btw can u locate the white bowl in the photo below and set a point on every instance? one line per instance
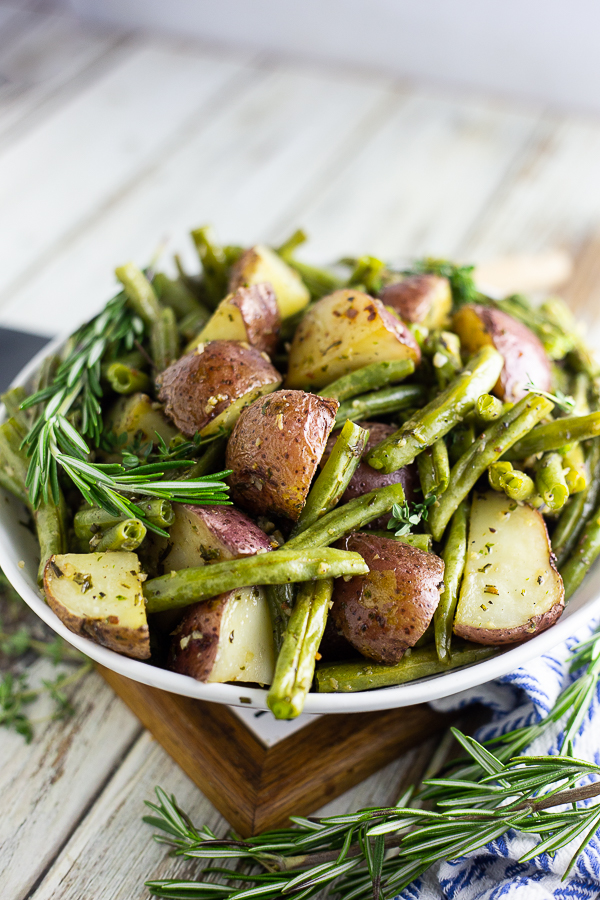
(19, 559)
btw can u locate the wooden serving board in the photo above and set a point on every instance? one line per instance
(256, 786)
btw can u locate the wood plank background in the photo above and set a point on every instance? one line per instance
(111, 143)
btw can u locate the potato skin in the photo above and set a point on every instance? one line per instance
(258, 321)
(385, 612)
(202, 625)
(525, 359)
(517, 635)
(424, 299)
(367, 479)
(274, 451)
(201, 385)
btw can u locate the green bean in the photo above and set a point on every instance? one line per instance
(460, 439)
(295, 240)
(454, 555)
(352, 516)
(574, 467)
(335, 475)
(367, 274)
(126, 380)
(277, 567)
(13, 487)
(422, 663)
(158, 512)
(214, 263)
(518, 485)
(49, 519)
(576, 567)
(318, 281)
(12, 403)
(139, 292)
(296, 661)
(380, 403)
(579, 392)
(324, 495)
(558, 314)
(550, 481)
(556, 434)
(443, 348)
(178, 296)
(576, 512)
(164, 340)
(441, 415)
(434, 468)
(488, 408)
(488, 447)
(192, 324)
(422, 542)
(209, 463)
(89, 521)
(369, 378)
(496, 472)
(125, 535)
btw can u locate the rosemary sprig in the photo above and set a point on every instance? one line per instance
(73, 412)
(482, 796)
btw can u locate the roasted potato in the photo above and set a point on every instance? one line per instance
(388, 610)
(250, 314)
(511, 589)
(525, 359)
(229, 638)
(206, 389)
(424, 299)
(260, 264)
(139, 418)
(99, 595)
(343, 332)
(367, 479)
(209, 534)
(274, 451)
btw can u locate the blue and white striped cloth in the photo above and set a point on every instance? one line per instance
(493, 872)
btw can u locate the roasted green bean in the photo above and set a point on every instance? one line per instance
(125, 535)
(576, 512)
(488, 447)
(488, 408)
(556, 434)
(550, 481)
(139, 292)
(296, 661)
(428, 425)
(364, 676)
(278, 567)
(454, 555)
(125, 379)
(164, 339)
(422, 542)
(379, 403)
(578, 564)
(434, 469)
(214, 263)
(369, 378)
(178, 296)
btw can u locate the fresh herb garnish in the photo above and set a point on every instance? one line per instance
(476, 799)
(72, 413)
(403, 518)
(561, 400)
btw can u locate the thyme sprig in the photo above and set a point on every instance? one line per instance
(477, 799)
(404, 518)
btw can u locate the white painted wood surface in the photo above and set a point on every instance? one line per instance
(108, 144)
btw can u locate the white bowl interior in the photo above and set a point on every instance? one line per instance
(19, 558)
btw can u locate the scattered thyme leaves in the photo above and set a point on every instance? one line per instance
(404, 518)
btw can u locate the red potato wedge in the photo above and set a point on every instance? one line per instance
(423, 299)
(386, 611)
(140, 418)
(367, 479)
(260, 264)
(250, 314)
(525, 360)
(228, 638)
(274, 451)
(511, 589)
(342, 333)
(99, 595)
(208, 388)
(210, 534)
